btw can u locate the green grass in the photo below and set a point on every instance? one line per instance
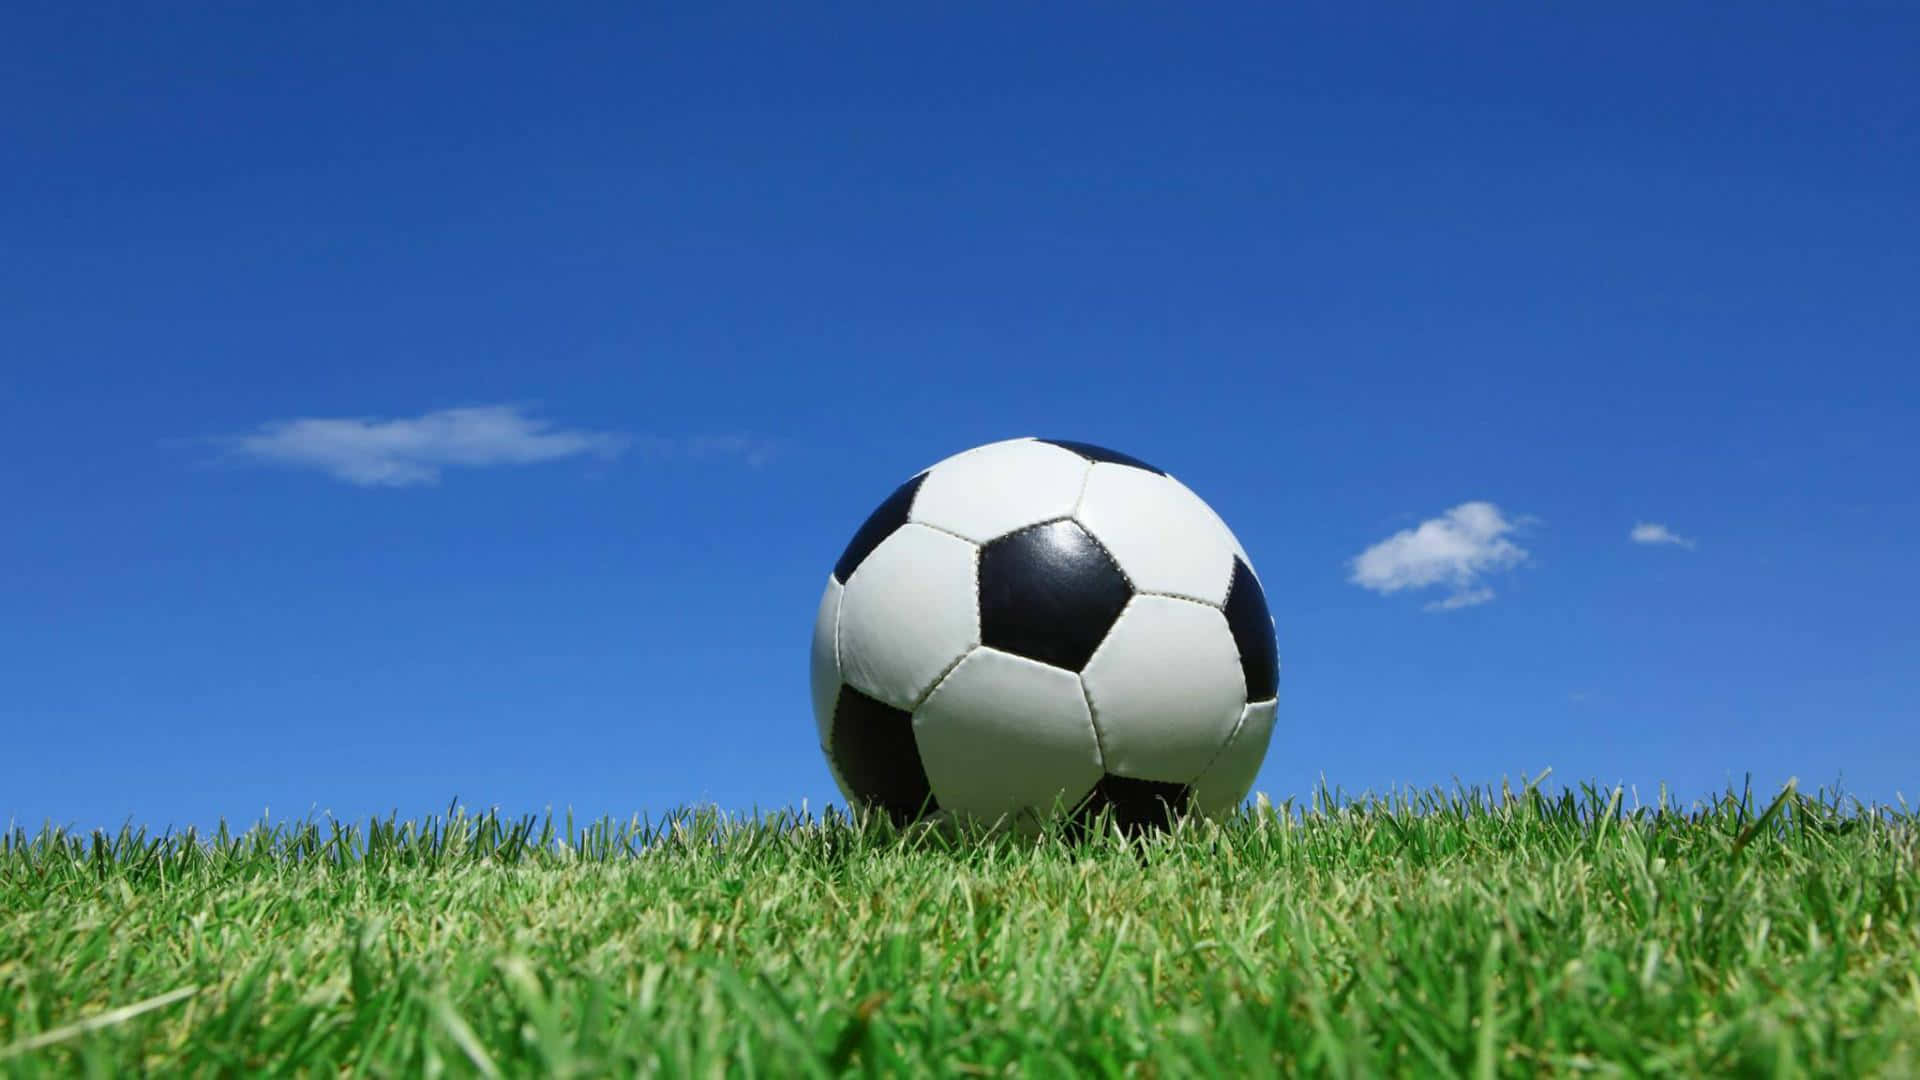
(1466, 933)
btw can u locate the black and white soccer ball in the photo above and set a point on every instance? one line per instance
(1040, 626)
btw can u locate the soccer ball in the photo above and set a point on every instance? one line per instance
(1039, 626)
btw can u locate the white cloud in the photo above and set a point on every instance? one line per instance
(1455, 549)
(1648, 532)
(410, 451)
(1470, 598)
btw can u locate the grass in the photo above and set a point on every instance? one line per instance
(1475, 932)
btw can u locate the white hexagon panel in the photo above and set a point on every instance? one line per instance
(1164, 537)
(999, 488)
(1003, 735)
(932, 575)
(825, 669)
(1230, 776)
(1166, 689)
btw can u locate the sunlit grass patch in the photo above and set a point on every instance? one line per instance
(1475, 931)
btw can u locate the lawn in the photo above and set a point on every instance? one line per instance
(1474, 932)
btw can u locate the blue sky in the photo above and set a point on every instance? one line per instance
(469, 401)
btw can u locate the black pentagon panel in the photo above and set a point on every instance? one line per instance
(1049, 593)
(1252, 628)
(874, 749)
(1101, 453)
(880, 524)
(1135, 805)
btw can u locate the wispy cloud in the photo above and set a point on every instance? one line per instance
(1456, 550)
(409, 451)
(1470, 598)
(1648, 532)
